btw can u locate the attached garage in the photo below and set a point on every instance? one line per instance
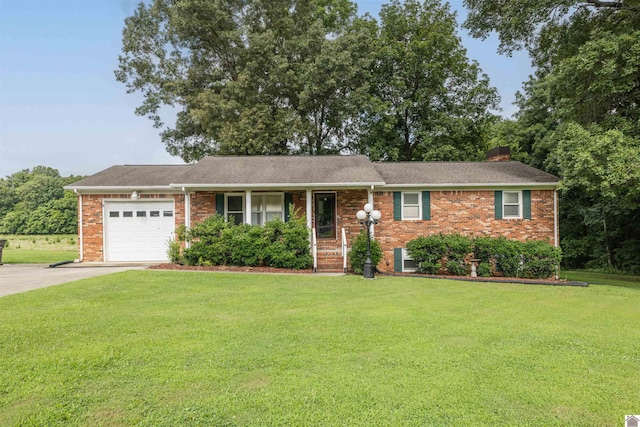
(138, 230)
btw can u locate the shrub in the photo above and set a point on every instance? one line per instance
(173, 252)
(484, 269)
(531, 259)
(276, 244)
(427, 252)
(358, 252)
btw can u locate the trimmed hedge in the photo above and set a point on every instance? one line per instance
(216, 241)
(497, 256)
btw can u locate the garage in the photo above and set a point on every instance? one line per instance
(138, 230)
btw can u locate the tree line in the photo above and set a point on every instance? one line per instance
(33, 201)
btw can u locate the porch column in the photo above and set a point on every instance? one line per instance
(247, 207)
(309, 222)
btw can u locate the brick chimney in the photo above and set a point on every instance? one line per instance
(499, 154)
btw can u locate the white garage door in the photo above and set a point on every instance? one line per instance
(138, 231)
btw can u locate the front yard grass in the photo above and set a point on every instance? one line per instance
(160, 348)
(42, 249)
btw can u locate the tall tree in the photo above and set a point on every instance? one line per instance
(580, 113)
(248, 77)
(429, 101)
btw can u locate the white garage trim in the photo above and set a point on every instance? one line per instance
(137, 230)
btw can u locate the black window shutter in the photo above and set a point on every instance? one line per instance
(498, 204)
(397, 259)
(220, 204)
(397, 206)
(288, 201)
(526, 204)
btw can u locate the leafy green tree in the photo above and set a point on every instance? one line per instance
(33, 201)
(262, 77)
(579, 114)
(428, 100)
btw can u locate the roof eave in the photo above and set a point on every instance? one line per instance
(536, 185)
(274, 186)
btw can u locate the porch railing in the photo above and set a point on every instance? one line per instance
(314, 249)
(344, 251)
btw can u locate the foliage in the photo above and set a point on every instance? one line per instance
(428, 100)
(280, 244)
(530, 259)
(358, 252)
(174, 252)
(248, 77)
(430, 252)
(34, 202)
(579, 114)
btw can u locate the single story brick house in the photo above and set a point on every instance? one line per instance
(130, 212)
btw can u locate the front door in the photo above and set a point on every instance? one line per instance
(325, 215)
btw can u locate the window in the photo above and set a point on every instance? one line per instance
(411, 206)
(127, 214)
(235, 208)
(141, 214)
(154, 214)
(408, 264)
(511, 204)
(265, 207)
(167, 213)
(114, 214)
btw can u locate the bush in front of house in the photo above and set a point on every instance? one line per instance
(358, 252)
(216, 241)
(430, 252)
(495, 256)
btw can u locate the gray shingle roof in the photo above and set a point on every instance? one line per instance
(292, 171)
(133, 176)
(266, 170)
(462, 173)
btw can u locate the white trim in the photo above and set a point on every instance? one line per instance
(309, 196)
(81, 233)
(372, 228)
(121, 189)
(226, 206)
(247, 207)
(264, 211)
(406, 257)
(520, 204)
(402, 205)
(276, 185)
(488, 186)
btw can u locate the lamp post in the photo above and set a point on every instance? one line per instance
(368, 217)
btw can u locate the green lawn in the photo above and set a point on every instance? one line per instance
(183, 348)
(45, 249)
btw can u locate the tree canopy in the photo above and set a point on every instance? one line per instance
(305, 77)
(579, 114)
(33, 201)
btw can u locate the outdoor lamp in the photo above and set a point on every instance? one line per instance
(135, 195)
(368, 217)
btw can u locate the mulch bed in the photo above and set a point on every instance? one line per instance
(238, 269)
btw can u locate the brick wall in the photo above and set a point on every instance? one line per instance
(466, 212)
(92, 222)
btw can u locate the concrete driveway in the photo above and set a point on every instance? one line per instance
(16, 278)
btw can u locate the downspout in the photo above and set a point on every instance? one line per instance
(81, 222)
(555, 219)
(187, 212)
(555, 227)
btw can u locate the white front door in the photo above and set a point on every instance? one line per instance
(138, 231)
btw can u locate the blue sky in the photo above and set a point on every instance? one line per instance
(60, 105)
